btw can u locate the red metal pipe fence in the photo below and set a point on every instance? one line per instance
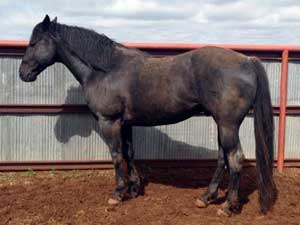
(282, 116)
(279, 52)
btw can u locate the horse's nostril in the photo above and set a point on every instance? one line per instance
(21, 71)
(21, 74)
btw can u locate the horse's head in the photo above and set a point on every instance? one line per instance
(41, 51)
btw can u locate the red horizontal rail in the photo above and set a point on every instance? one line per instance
(82, 108)
(43, 108)
(8, 43)
(237, 47)
(107, 164)
(181, 46)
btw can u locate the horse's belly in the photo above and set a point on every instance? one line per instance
(156, 118)
(159, 121)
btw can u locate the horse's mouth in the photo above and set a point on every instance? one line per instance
(28, 78)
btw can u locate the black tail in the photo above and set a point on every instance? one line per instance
(264, 137)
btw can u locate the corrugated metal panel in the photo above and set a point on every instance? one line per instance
(248, 140)
(194, 138)
(75, 137)
(273, 69)
(56, 85)
(293, 97)
(292, 137)
(292, 141)
(41, 137)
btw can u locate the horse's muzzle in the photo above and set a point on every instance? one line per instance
(26, 74)
(28, 77)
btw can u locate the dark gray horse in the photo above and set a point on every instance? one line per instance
(126, 87)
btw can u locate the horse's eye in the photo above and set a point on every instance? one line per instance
(31, 44)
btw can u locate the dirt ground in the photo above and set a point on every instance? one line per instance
(80, 197)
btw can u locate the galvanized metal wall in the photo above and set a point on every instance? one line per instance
(293, 97)
(292, 142)
(47, 89)
(75, 137)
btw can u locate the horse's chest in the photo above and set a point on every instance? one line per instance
(105, 102)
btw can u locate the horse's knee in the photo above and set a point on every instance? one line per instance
(119, 161)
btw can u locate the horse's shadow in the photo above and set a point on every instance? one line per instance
(186, 178)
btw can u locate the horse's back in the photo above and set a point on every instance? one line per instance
(170, 89)
(220, 56)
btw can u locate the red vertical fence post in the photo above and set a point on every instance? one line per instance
(282, 116)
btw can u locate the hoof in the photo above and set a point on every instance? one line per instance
(200, 204)
(113, 201)
(224, 212)
(134, 190)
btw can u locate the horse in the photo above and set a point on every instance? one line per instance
(126, 87)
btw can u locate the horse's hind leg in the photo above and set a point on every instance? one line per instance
(229, 140)
(212, 192)
(134, 179)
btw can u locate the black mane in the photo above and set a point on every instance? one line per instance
(96, 49)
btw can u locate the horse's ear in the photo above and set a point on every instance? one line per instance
(46, 22)
(54, 20)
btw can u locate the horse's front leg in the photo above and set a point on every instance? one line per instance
(134, 178)
(111, 132)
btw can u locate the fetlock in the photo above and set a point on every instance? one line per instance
(134, 189)
(209, 197)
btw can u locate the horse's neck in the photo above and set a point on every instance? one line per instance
(78, 68)
(82, 70)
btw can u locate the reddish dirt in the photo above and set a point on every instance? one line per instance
(80, 197)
